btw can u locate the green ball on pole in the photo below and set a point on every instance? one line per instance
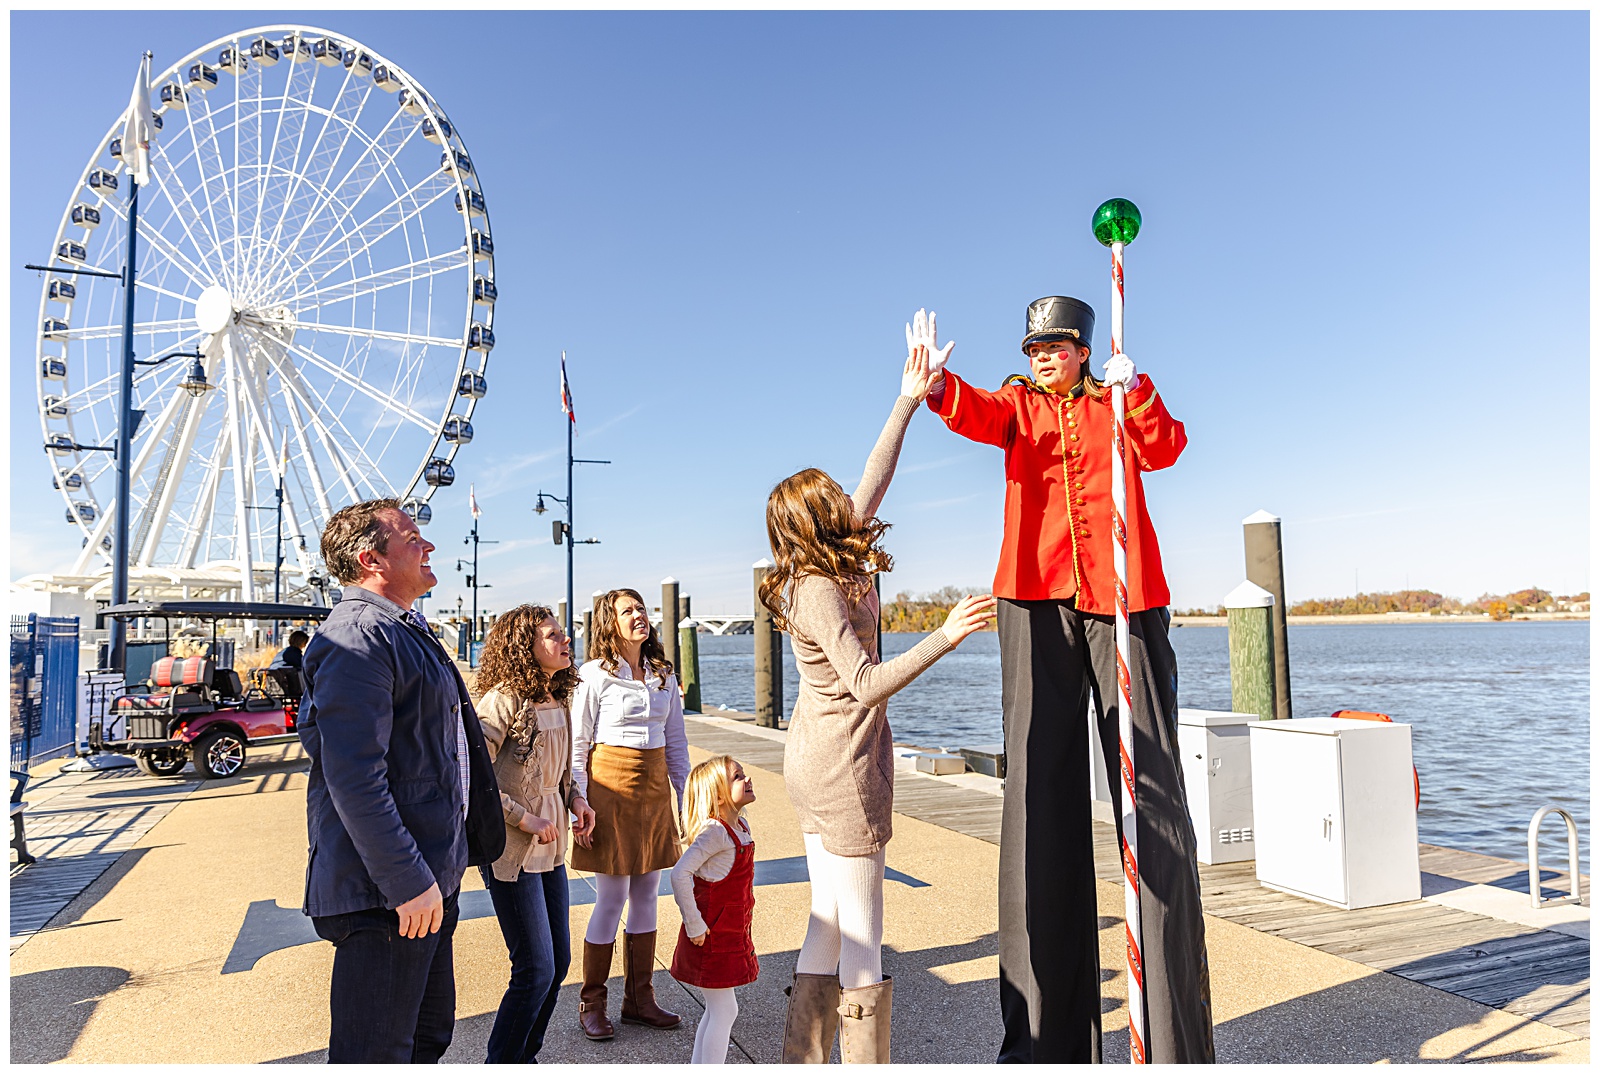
(1117, 220)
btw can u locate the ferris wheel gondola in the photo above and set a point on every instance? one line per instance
(303, 235)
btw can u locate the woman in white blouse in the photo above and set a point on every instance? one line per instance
(630, 759)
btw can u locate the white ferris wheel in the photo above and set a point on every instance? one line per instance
(314, 246)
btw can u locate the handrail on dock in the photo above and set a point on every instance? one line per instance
(1534, 887)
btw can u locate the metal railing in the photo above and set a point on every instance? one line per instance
(44, 688)
(1535, 887)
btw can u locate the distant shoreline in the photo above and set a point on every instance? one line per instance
(1395, 617)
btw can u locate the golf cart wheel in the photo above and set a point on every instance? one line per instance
(160, 763)
(219, 754)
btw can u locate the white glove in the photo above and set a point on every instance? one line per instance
(924, 331)
(1120, 370)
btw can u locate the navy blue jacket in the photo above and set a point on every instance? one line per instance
(383, 804)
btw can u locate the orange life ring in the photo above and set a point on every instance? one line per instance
(1378, 717)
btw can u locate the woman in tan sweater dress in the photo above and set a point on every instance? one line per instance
(838, 761)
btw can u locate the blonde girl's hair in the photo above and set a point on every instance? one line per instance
(813, 529)
(707, 791)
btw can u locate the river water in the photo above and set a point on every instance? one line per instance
(1499, 711)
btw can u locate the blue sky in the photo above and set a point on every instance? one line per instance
(1363, 281)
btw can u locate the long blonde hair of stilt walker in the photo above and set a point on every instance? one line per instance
(708, 792)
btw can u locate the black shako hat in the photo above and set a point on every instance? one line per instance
(1057, 317)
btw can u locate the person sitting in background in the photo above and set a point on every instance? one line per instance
(293, 655)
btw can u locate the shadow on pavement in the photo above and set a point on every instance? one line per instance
(49, 1009)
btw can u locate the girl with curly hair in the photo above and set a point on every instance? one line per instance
(527, 680)
(838, 765)
(630, 756)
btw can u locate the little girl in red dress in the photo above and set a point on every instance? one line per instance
(714, 885)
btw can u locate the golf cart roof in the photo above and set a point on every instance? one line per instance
(215, 609)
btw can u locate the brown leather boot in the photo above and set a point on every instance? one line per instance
(864, 1022)
(638, 988)
(812, 1018)
(592, 996)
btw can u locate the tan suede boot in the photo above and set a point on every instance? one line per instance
(812, 1018)
(864, 1022)
(638, 987)
(592, 996)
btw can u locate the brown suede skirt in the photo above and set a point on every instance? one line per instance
(635, 830)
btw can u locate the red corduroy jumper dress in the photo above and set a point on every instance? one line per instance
(728, 957)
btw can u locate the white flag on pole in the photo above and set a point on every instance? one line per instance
(136, 129)
(472, 498)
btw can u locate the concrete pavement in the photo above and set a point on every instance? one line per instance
(133, 969)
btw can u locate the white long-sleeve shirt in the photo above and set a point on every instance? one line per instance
(615, 709)
(710, 857)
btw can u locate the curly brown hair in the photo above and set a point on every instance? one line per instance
(351, 531)
(608, 636)
(813, 529)
(509, 665)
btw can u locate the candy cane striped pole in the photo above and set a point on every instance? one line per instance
(1118, 221)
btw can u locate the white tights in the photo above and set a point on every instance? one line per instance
(716, 1026)
(612, 893)
(845, 932)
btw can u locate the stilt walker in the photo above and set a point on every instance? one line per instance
(1082, 616)
(1116, 223)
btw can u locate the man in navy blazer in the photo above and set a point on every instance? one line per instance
(401, 797)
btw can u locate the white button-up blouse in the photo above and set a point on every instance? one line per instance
(615, 709)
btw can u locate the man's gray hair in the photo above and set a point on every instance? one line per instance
(351, 531)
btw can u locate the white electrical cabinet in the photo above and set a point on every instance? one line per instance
(1335, 816)
(1215, 747)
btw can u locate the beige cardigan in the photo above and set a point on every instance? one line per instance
(838, 758)
(495, 713)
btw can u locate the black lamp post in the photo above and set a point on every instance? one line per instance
(560, 529)
(472, 581)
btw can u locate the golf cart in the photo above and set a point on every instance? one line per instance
(192, 709)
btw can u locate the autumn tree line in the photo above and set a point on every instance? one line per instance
(1427, 602)
(926, 612)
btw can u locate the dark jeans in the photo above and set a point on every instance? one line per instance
(393, 999)
(533, 917)
(1052, 657)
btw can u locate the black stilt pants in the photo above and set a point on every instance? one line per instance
(1052, 656)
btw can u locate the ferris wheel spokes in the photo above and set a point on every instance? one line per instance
(361, 286)
(374, 229)
(346, 467)
(360, 385)
(213, 180)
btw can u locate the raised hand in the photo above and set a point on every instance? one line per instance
(915, 381)
(924, 330)
(968, 617)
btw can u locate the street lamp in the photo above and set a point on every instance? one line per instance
(472, 581)
(561, 529)
(195, 383)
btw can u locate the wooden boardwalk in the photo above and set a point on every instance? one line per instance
(79, 827)
(1535, 973)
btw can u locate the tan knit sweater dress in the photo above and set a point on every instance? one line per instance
(838, 761)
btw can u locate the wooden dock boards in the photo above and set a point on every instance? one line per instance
(1533, 973)
(79, 832)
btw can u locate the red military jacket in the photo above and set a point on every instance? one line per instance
(1058, 537)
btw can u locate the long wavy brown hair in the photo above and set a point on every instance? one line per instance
(608, 637)
(813, 529)
(509, 665)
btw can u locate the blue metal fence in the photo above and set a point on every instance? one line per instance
(44, 688)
